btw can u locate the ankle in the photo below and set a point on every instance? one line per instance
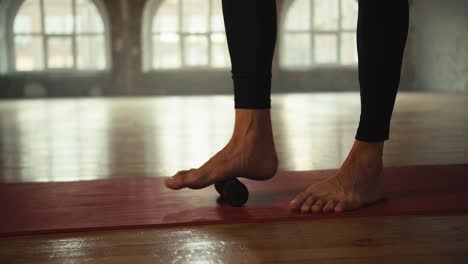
(253, 123)
(259, 117)
(368, 154)
(371, 148)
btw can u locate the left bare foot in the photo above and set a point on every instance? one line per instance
(356, 184)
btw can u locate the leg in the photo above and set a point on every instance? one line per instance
(250, 153)
(381, 38)
(251, 34)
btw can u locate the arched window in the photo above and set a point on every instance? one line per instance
(59, 35)
(319, 32)
(184, 34)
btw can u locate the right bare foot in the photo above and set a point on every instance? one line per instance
(249, 154)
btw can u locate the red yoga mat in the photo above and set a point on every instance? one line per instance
(38, 208)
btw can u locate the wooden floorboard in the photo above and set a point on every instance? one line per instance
(80, 139)
(404, 239)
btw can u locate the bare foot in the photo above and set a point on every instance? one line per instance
(249, 154)
(357, 183)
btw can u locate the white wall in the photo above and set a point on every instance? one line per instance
(3, 42)
(438, 45)
(436, 58)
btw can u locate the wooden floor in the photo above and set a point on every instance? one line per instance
(70, 139)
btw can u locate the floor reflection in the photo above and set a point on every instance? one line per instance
(185, 132)
(83, 139)
(310, 130)
(57, 140)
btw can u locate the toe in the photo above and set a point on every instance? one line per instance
(305, 208)
(177, 181)
(340, 207)
(297, 202)
(329, 206)
(197, 179)
(318, 206)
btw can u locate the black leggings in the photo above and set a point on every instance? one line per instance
(382, 29)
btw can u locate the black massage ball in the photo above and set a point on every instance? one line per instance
(219, 187)
(233, 192)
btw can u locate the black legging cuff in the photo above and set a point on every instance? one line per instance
(373, 129)
(252, 92)
(251, 36)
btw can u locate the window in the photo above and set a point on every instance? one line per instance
(58, 35)
(319, 32)
(185, 34)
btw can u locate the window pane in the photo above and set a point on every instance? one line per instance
(296, 50)
(88, 18)
(29, 53)
(325, 49)
(58, 16)
(348, 49)
(167, 17)
(195, 15)
(60, 52)
(219, 51)
(28, 18)
(298, 16)
(90, 52)
(196, 50)
(217, 19)
(166, 51)
(349, 13)
(326, 14)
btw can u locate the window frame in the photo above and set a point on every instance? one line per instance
(149, 13)
(12, 10)
(312, 33)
